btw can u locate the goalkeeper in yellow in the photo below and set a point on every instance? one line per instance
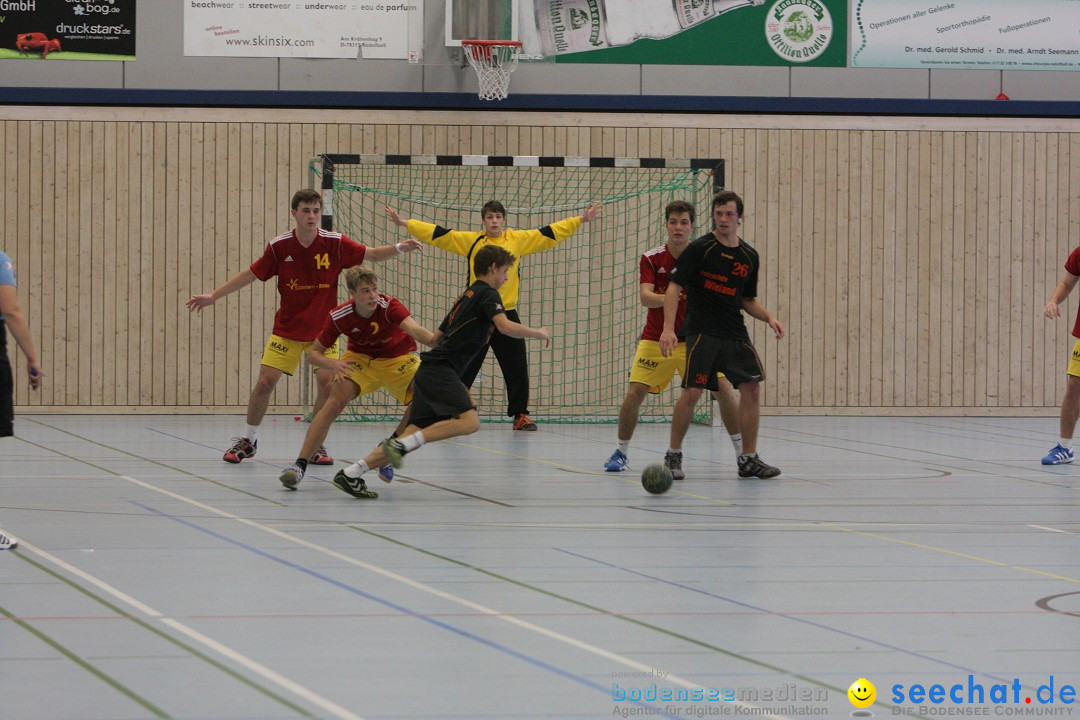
(509, 351)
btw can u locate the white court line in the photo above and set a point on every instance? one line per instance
(552, 634)
(1050, 529)
(256, 667)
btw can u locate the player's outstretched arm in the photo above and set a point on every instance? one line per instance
(20, 330)
(1068, 282)
(394, 217)
(512, 329)
(240, 280)
(591, 213)
(385, 252)
(418, 332)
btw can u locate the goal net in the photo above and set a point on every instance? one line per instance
(585, 290)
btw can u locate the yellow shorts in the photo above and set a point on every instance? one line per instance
(395, 375)
(653, 369)
(1074, 360)
(284, 355)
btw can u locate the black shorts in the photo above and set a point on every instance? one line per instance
(707, 355)
(438, 394)
(7, 392)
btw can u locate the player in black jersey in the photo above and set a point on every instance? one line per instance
(441, 406)
(720, 274)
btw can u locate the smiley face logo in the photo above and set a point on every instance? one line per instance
(862, 693)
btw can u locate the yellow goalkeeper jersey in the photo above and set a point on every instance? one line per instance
(518, 242)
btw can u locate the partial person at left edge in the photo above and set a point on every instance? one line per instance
(11, 317)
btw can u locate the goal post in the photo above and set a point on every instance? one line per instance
(585, 290)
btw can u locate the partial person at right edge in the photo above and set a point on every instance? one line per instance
(720, 274)
(1062, 453)
(12, 317)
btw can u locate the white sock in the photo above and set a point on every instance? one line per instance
(357, 469)
(411, 442)
(1066, 443)
(673, 450)
(624, 447)
(736, 441)
(252, 432)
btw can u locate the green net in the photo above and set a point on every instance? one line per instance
(585, 290)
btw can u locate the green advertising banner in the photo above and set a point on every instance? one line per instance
(967, 34)
(687, 32)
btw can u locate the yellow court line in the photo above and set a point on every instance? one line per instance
(583, 470)
(966, 556)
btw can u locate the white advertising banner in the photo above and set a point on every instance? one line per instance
(967, 34)
(308, 29)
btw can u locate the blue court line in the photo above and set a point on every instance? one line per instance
(820, 626)
(402, 609)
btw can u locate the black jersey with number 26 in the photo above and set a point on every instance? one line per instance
(717, 278)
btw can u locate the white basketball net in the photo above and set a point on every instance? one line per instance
(493, 65)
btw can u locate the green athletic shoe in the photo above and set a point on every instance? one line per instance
(395, 451)
(354, 486)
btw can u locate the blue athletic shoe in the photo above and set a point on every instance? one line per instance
(1059, 455)
(617, 462)
(386, 473)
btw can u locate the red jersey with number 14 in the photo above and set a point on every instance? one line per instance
(379, 336)
(307, 279)
(656, 267)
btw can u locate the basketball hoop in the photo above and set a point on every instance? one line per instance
(493, 61)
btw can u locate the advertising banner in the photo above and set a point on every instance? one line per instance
(67, 29)
(967, 34)
(311, 29)
(687, 32)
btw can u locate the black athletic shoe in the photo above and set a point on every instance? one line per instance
(354, 486)
(673, 462)
(753, 466)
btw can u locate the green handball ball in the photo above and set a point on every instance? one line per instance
(656, 479)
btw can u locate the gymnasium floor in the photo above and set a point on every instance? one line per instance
(507, 576)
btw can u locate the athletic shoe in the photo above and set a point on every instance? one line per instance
(523, 422)
(242, 448)
(354, 486)
(291, 476)
(395, 451)
(321, 457)
(673, 462)
(617, 462)
(7, 542)
(753, 466)
(386, 473)
(1059, 455)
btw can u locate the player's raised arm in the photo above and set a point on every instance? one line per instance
(591, 213)
(394, 217)
(240, 280)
